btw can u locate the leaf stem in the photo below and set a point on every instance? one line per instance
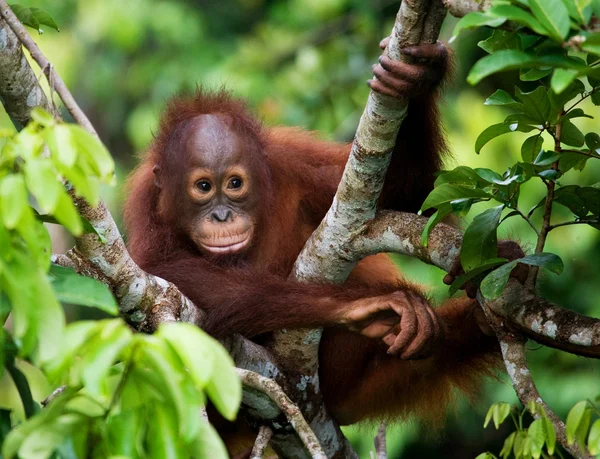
(583, 97)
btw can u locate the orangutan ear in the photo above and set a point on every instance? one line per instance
(156, 171)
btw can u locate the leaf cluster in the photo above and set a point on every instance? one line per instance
(539, 438)
(553, 44)
(131, 395)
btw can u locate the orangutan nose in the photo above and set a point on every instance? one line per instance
(221, 215)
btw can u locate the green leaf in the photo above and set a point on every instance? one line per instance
(499, 62)
(531, 148)
(571, 135)
(72, 288)
(480, 241)
(546, 260)
(546, 157)
(553, 16)
(448, 192)
(508, 445)
(493, 284)
(574, 113)
(102, 353)
(194, 347)
(501, 97)
(536, 434)
(224, 388)
(464, 278)
(443, 211)
(594, 438)
(208, 444)
(43, 183)
(44, 18)
(501, 412)
(93, 151)
(158, 357)
(550, 435)
(488, 175)
(123, 430)
(13, 199)
(61, 144)
(535, 103)
(518, 15)
(500, 39)
(461, 175)
(562, 78)
(34, 17)
(488, 416)
(66, 214)
(497, 130)
(534, 74)
(163, 438)
(583, 10)
(592, 44)
(474, 20)
(558, 101)
(41, 116)
(592, 141)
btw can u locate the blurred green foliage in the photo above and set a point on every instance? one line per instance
(305, 62)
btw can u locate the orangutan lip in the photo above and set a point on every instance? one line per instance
(230, 248)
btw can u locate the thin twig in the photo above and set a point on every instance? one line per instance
(289, 409)
(585, 96)
(53, 395)
(54, 78)
(575, 222)
(261, 442)
(528, 220)
(583, 153)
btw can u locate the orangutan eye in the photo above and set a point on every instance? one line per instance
(235, 183)
(204, 186)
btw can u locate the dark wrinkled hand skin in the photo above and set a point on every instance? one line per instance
(402, 80)
(506, 249)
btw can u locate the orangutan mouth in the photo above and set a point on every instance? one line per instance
(227, 245)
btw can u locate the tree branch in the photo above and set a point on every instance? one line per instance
(57, 83)
(261, 443)
(19, 87)
(291, 411)
(460, 8)
(515, 360)
(145, 300)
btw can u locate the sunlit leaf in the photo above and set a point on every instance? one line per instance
(500, 413)
(518, 15)
(594, 438)
(536, 435)
(448, 192)
(553, 16)
(72, 288)
(224, 388)
(562, 78)
(499, 62)
(194, 347)
(476, 19)
(13, 199)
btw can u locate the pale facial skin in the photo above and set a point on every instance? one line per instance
(221, 195)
